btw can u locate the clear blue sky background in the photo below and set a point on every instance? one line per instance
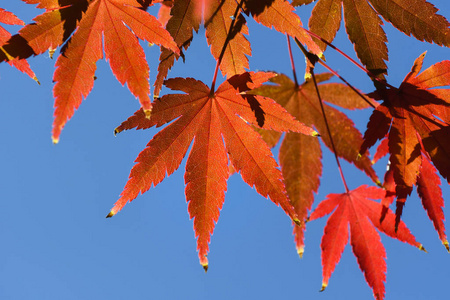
(57, 244)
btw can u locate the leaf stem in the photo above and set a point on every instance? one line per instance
(292, 60)
(329, 131)
(310, 57)
(225, 44)
(371, 75)
(368, 100)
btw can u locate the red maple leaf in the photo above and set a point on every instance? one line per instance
(415, 118)
(211, 119)
(356, 210)
(428, 188)
(300, 156)
(82, 25)
(22, 65)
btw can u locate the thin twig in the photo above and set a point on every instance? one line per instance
(292, 60)
(329, 131)
(307, 55)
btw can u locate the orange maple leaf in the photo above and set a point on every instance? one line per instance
(22, 65)
(211, 119)
(82, 25)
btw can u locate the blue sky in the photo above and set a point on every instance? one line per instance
(57, 244)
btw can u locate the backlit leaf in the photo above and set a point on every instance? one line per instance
(415, 119)
(22, 65)
(357, 210)
(82, 25)
(300, 156)
(219, 124)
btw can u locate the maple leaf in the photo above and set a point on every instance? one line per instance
(280, 15)
(418, 18)
(210, 119)
(218, 18)
(22, 65)
(218, 24)
(428, 189)
(82, 25)
(9, 18)
(300, 156)
(183, 20)
(356, 210)
(415, 118)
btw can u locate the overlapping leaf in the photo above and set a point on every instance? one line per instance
(184, 19)
(428, 188)
(22, 65)
(218, 18)
(218, 24)
(280, 15)
(418, 18)
(415, 118)
(357, 210)
(210, 119)
(83, 25)
(300, 156)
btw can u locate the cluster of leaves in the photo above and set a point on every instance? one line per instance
(232, 127)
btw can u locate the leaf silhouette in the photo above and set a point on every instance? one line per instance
(81, 25)
(363, 24)
(414, 117)
(300, 156)
(357, 210)
(210, 119)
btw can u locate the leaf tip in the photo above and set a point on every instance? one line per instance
(445, 243)
(55, 140)
(308, 76)
(315, 134)
(324, 286)
(422, 248)
(111, 213)
(116, 131)
(300, 251)
(51, 51)
(205, 267)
